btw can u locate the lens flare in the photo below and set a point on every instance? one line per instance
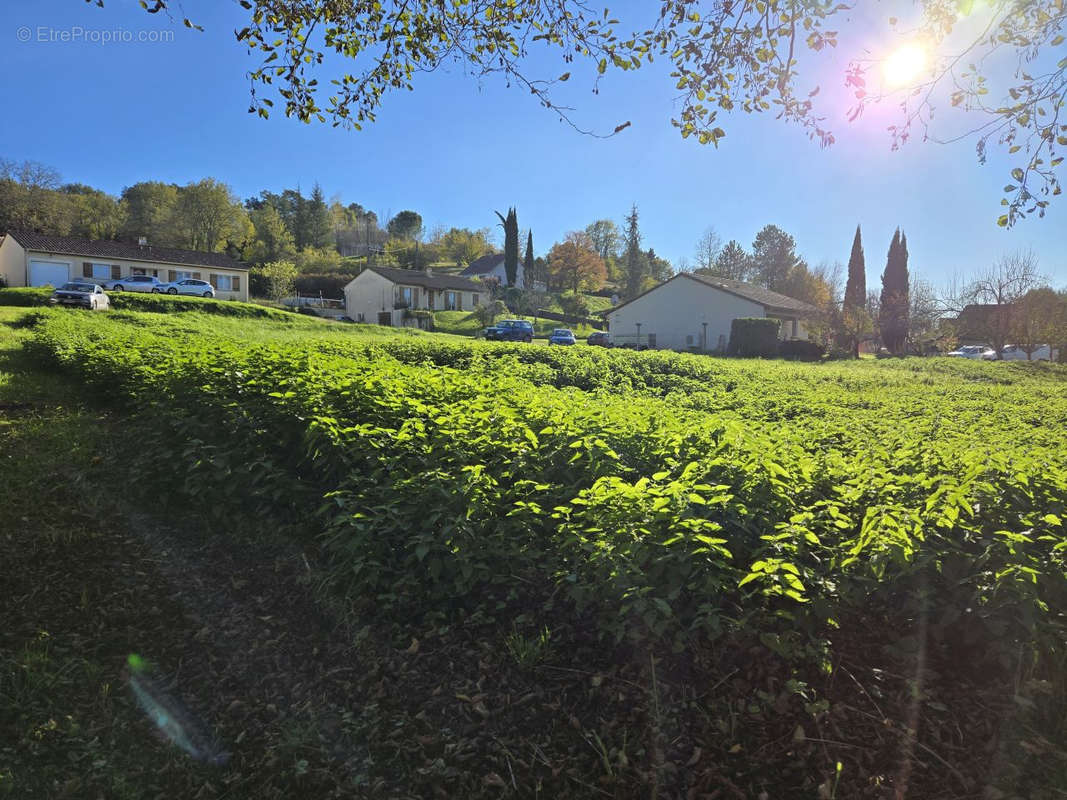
(905, 65)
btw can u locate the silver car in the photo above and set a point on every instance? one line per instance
(975, 351)
(134, 283)
(193, 286)
(86, 295)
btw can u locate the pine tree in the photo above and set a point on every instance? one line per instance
(635, 259)
(319, 232)
(528, 262)
(894, 300)
(510, 223)
(854, 307)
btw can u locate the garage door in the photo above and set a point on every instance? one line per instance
(44, 273)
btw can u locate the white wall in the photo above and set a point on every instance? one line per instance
(12, 262)
(674, 312)
(367, 294)
(126, 267)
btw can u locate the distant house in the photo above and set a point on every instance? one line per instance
(383, 295)
(984, 323)
(694, 312)
(35, 259)
(492, 267)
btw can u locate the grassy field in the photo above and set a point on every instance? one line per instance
(384, 563)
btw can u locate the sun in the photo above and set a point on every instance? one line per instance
(905, 65)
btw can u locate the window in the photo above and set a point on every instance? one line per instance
(451, 301)
(183, 276)
(474, 300)
(224, 283)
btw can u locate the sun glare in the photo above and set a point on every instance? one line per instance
(905, 65)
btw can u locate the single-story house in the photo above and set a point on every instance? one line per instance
(492, 267)
(694, 312)
(384, 295)
(36, 259)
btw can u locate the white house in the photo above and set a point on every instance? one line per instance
(492, 266)
(384, 295)
(34, 259)
(694, 312)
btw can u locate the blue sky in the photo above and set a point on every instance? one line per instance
(455, 149)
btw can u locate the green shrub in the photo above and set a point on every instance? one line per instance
(754, 337)
(503, 476)
(31, 296)
(801, 350)
(169, 304)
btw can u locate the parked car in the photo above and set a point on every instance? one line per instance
(561, 336)
(188, 286)
(86, 295)
(975, 351)
(134, 283)
(511, 330)
(599, 339)
(1015, 352)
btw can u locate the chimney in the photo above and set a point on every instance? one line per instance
(142, 241)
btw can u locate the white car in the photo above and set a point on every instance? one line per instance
(134, 283)
(1014, 352)
(975, 351)
(189, 286)
(86, 295)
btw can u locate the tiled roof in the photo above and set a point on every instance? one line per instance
(771, 301)
(483, 265)
(412, 277)
(757, 294)
(101, 248)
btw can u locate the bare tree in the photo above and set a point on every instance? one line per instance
(708, 247)
(992, 297)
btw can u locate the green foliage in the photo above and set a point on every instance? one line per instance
(659, 496)
(510, 224)
(754, 337)
(407, 225)
(273, 280)
(25, 296)
(894, 305)
(801, 350)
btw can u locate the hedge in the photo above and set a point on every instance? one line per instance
(801, 350)
(754, 337)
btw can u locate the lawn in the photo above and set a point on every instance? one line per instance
(400, 564)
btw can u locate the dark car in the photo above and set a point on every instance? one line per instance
(510, 330)
(599, 339)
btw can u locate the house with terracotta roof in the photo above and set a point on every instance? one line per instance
(35, 259)
(695, 312)
(385, 295)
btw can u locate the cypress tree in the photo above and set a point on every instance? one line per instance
(528, 262)
(510, 224)
(855, 302)
(635, 259)
(893, 311)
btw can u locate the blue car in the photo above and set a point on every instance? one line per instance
(561, 336)
(511, 330)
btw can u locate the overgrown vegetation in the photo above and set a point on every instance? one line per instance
(768, 518)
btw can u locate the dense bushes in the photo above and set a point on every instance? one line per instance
(330, 286)
(754, 337)
(166, 304)
(801, 350)
(34, 296)
(519, 475)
